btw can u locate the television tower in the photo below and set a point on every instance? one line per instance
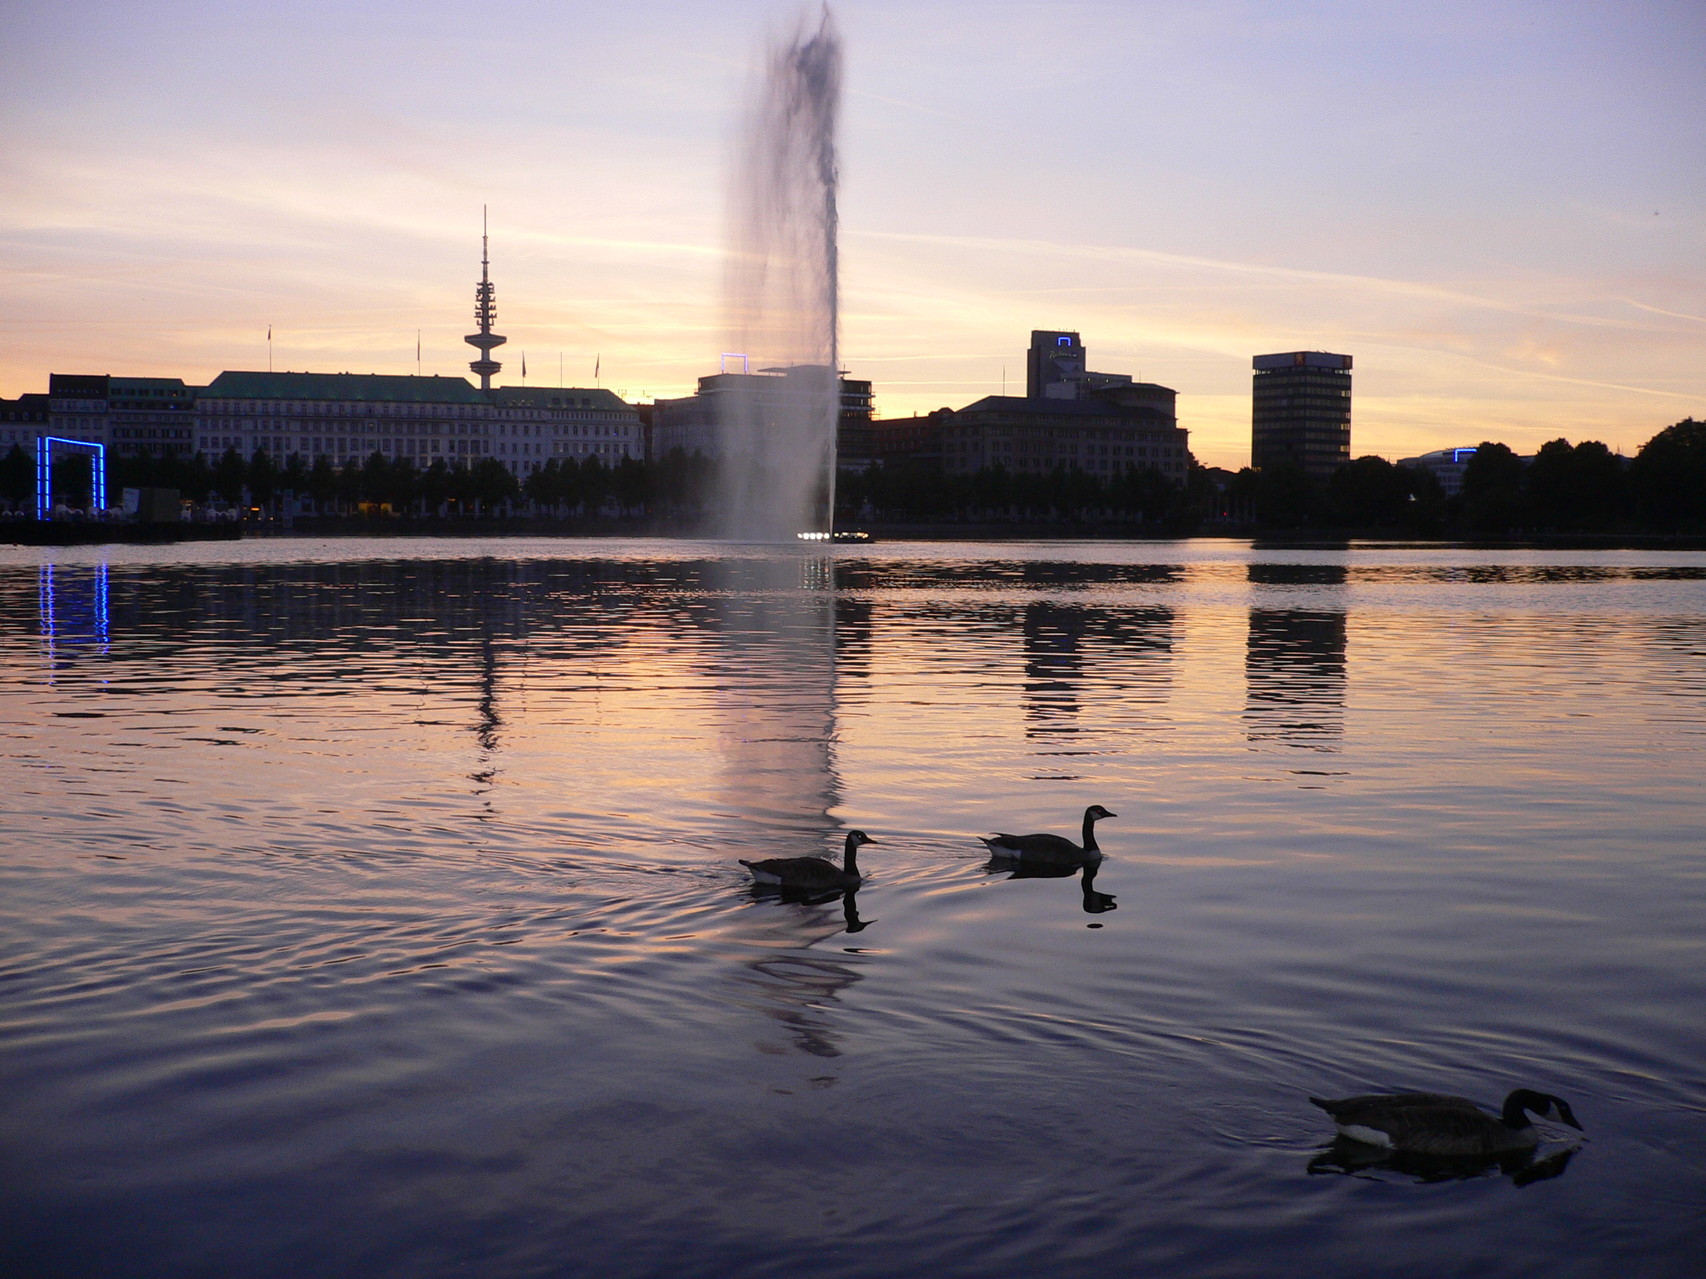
(485, 311)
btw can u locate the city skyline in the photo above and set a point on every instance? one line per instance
(1497, 214)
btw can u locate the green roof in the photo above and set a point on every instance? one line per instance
(550, 397)
(1021, 407)
(344, 386)
(121, 384)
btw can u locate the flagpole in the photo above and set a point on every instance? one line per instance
(269, 348)
(417, 352)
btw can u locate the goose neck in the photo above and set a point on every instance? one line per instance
(1515, 1113)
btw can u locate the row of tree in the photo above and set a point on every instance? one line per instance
(478, 487)
(679, 488)
(1564, 488)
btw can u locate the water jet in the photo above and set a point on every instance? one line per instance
(781, 288)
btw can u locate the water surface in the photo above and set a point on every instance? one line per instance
(372, 908)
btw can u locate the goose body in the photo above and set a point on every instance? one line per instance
(813, 873)
(1055, 848)
(1426, 1123)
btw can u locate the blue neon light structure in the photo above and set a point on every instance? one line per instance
(44, 473)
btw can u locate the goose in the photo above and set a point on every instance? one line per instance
(1055, 848)
(1426, 1123)
(812, 872)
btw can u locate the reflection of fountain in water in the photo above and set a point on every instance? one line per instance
(774, 704)
(774, 708)
(799, 985)
(778, 464)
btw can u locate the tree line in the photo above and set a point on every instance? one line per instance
(1564, 488)
(481, 487)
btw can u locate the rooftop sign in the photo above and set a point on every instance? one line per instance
(1301, 359)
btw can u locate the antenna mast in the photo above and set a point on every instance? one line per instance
(485, 315)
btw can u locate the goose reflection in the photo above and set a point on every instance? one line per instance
(1095, 903)
(799, 986)
(848, 897)
(1359, 1159)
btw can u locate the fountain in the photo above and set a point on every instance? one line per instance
(778, 424)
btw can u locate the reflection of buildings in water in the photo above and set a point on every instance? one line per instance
(1294, 673)
(853, 637)
(1054, 668)
(1294, 664)
(1676, 648)
(488, 723)
(73, 610)
(1071, 650)
(798, 985)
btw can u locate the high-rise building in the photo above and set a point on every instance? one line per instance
(1300, 411)
(1054, 366)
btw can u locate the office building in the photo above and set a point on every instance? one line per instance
(23, 421)
(1069, 417)
(347, 417)
(1301, 411)
(344, 417)
(775, 399)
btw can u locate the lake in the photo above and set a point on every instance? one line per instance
(372, 907)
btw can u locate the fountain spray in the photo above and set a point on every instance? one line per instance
(782, 282)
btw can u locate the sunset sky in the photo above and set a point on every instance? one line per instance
(1498, 208)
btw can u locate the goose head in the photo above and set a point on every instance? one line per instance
(1096, 813)
(1541, 1104)
(857, 839)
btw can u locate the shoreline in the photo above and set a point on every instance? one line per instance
(73, 533)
